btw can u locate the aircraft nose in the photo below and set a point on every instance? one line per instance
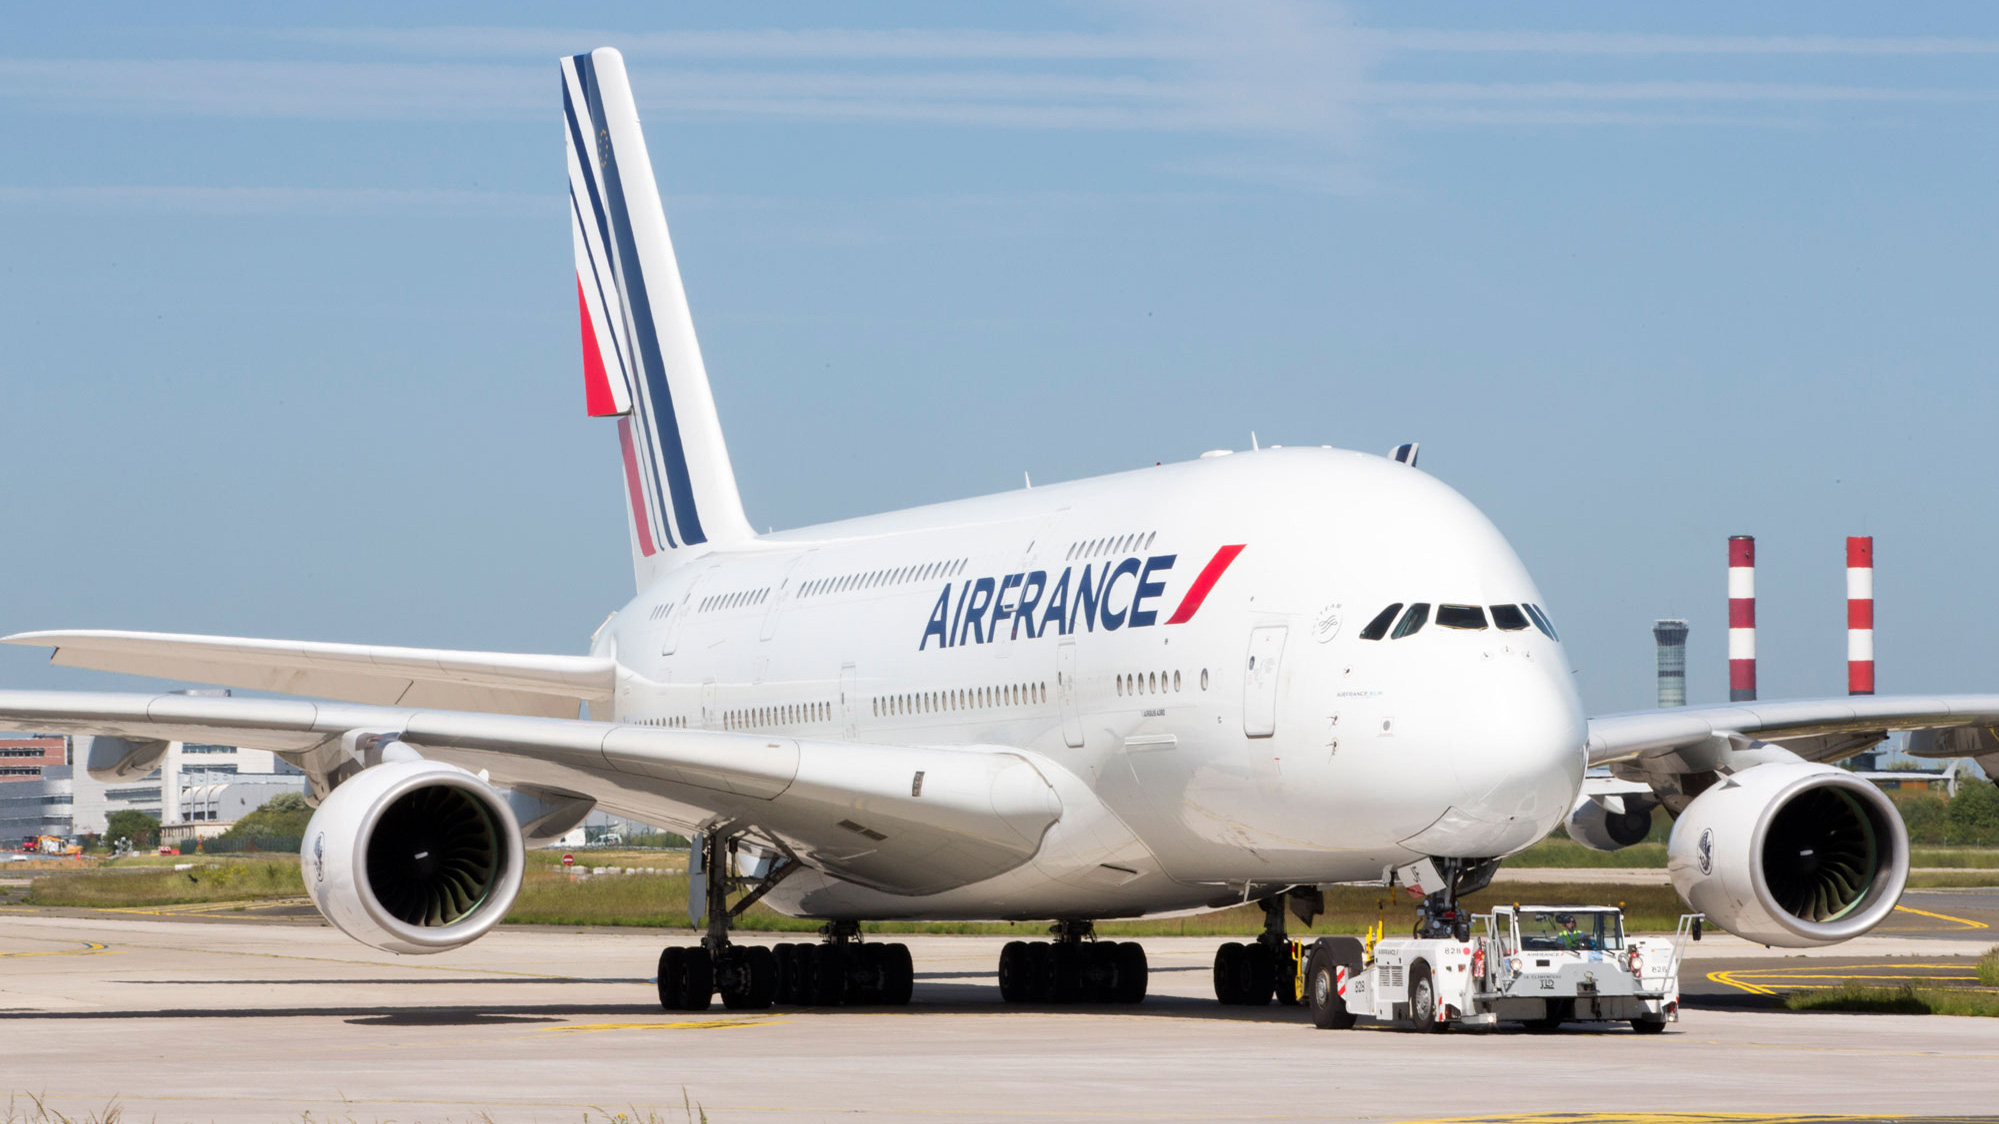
(1519, 749)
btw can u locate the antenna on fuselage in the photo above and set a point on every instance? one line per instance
(1253, 446)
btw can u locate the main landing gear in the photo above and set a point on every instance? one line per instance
(1075, 967)
(752, 977)
(1250, 975)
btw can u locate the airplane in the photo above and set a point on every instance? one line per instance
(1238, 678)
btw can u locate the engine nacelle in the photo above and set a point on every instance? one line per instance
(1791, 854)
(413, 856)
(1595, 826)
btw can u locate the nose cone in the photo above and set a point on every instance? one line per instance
(1517, 749)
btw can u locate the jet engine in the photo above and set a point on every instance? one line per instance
(1592, 823)
(1790, 854)
(413, 856)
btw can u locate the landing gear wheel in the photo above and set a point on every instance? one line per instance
(829, 975)
(1230, 968)
(672, 977)
(866, 985)
(686, 979)
(1423, 1000)
(751, 975)
(1648, 1026)
(1261, 976)
(1132, 973)
(1101, 973)
(1323, 967)
(1065, 973)
(1013, 979)
(789, 987)
(1040, 978)
(898, 975)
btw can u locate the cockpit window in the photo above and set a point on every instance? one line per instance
(1460, 616)
(1508, 618)
(1412, 621)
(1378, 627)
(1542, 622)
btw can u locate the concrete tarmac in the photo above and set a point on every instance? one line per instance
(221, 1019)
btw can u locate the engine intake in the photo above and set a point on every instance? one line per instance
(1595, 826)
(1791, 854)
(413, 856)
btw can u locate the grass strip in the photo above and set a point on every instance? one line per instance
(1905, 1000)
(148, 886)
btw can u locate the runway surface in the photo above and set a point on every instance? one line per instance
(227, 1018)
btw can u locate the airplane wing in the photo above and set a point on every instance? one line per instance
(502, 682)
(1814, 729)
(904, 819)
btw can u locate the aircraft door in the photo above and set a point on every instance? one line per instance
(1065, 693)
(1259, 680)
(847, 701)
(783, 596)
(679, 613)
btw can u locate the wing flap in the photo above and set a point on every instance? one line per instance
(502, 682)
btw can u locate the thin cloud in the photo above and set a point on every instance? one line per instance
(282, 200)
(1614, 43)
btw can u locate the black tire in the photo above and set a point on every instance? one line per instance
(787, 959)
(829, 975)
(1423, 1002)
(1229, 972)
(865, 987)
(1259, 976)
(1065, 973)
(1323, 965)
(672, 977)
(761, 964)
(1013, 983)
(699, 986)
(1284, 983)
(732, 979)
(1649, 1026)
(1036, 973)
(898, 975)
(1101, 974)
(1132, 973)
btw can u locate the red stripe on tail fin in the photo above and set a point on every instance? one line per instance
(633, 488)
(597, 396)
(1210, 574)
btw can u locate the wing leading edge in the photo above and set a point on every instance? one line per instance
(1814, 729)
(903, 819)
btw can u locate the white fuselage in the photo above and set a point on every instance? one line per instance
(1253, 740)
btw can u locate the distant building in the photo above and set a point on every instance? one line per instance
(208, 785)
(1670, 636)
(24, 758)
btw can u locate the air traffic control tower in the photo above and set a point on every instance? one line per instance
(1671, 635)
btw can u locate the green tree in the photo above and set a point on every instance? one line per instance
(142, 829)
(1973, 817)
(284, 815)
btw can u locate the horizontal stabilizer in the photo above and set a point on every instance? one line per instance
(502, 682)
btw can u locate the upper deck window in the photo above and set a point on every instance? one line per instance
(1412, 621)
(1378, 627)
(1508, 618)
(1460, 616)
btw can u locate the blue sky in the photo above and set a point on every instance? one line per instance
(292, 351)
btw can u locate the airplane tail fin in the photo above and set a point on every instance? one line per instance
(641, 363)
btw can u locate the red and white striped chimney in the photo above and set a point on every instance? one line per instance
(1860, 615)
(1741, 618)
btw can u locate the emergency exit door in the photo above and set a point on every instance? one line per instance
(1065, 693)
(1259, 680)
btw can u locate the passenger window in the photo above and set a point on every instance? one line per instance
(1508, 618)
(1412, 621)
(1460, 616)
(1542, 622)
(1378, 627)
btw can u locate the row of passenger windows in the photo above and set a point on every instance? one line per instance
(962, 698)
(669, 723)
(874, 579)
(788, 713)
(1409, 621)
(1154, 683)
(735, 600)
(1115, 544)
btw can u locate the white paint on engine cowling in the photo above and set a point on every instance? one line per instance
(1715, 855)
(334, 860)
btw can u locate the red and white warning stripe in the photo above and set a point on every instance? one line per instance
(1741, 618)
(1860, 615)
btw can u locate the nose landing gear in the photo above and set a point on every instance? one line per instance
(1250, 975)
